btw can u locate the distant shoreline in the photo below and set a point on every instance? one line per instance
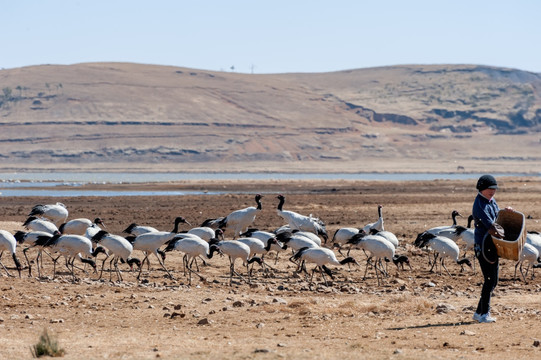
(73, 178)
(209, 187)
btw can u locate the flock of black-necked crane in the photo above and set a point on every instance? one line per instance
(49, 232)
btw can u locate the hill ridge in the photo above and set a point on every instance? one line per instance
(124, 115)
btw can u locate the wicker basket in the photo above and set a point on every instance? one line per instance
(515, 234)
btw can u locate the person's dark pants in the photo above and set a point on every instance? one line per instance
(490, 273)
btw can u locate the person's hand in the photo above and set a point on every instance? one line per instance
(509, 208)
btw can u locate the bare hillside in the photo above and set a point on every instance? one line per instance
(106, 116)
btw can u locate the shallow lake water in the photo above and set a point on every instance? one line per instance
(43, 184)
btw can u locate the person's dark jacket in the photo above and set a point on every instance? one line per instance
(484, 214)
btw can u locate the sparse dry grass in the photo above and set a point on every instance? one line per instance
(47, 346)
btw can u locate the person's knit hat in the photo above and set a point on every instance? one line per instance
(486, 182)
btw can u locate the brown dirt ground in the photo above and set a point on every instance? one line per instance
(279, 316)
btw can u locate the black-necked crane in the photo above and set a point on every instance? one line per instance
(8, 243)
(79, 226)
(308, 235)
(266, 236)
(528, 254)
(136, 230)
(159, 236)
(398, 260)
(445, 231)
(239, 220)
(300, 222)
(237, 250)
(91, 231)
(192, 246)
(118, 249)
(179, 220)
(378, 225)
(72, 247)
(534, 238)
(378, 248)
(36, 224)
(213, 223)
(258, 246)
(342, 237)
(443, 247)
(259, 234)
(150, 243)
(436, 230)
(56, 213)
(206, 233)
(30, 238)
(466, 234)
(295, 242)
(321, 257)
(389, 236)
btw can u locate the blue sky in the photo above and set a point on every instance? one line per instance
(272, 36)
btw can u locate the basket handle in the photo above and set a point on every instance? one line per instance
(488, 249)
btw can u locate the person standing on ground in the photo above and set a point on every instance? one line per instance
(485, 211)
